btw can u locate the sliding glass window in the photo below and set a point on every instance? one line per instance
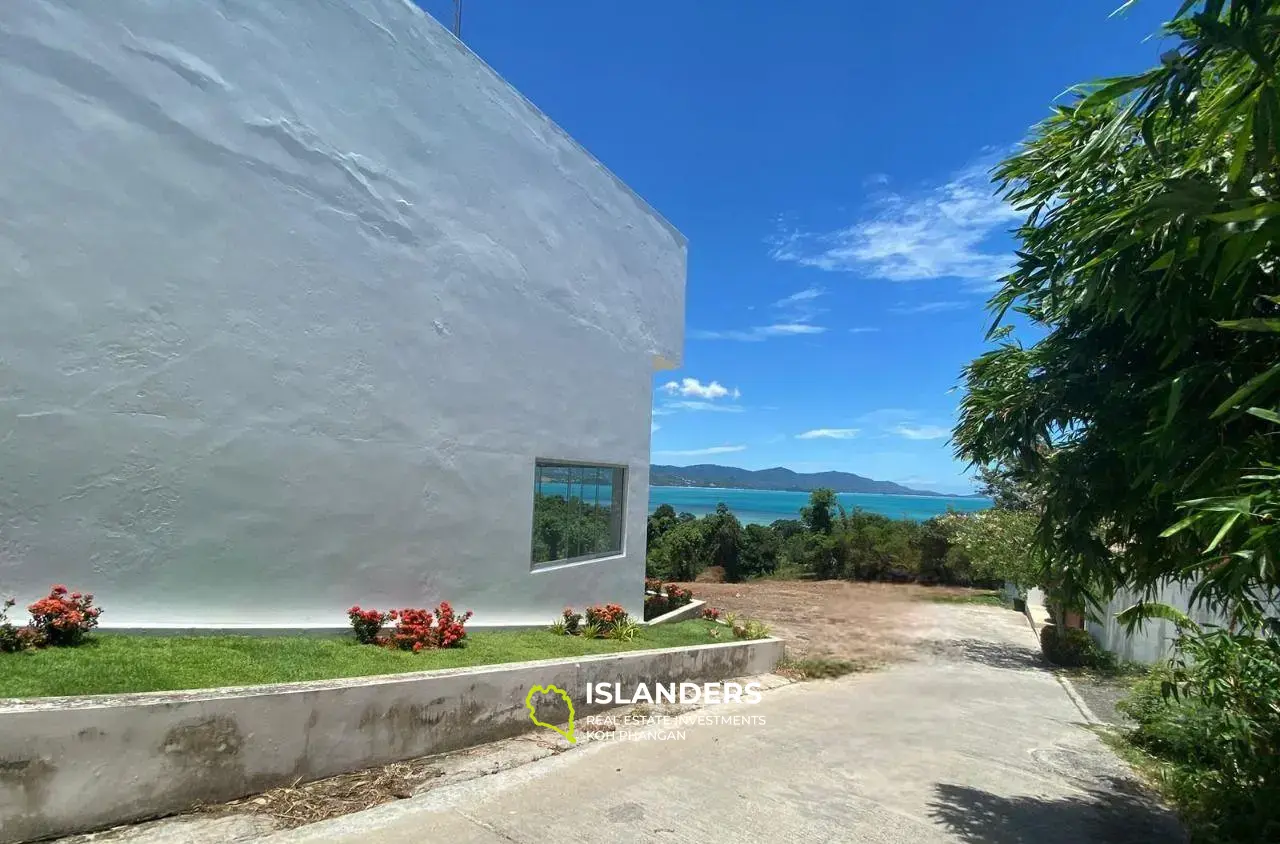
(578, 511)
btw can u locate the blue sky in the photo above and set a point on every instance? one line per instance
(827, 160)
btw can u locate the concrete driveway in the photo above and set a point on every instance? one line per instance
(973, 741)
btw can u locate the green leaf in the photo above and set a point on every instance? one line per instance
(1223, 531)
(1259, 211)
(1240, 156)
(1251, 324)
(1175, 394)
(1270, 416)
(1117, 87)
(1180, 526)
(1252, 386)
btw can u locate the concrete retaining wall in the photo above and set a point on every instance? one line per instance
(70, 765)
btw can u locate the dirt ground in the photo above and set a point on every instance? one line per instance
(866, 623)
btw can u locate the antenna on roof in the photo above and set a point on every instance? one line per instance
(457, 19)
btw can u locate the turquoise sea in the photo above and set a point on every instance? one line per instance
(762, 506)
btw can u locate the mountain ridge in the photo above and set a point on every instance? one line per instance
(778, 478)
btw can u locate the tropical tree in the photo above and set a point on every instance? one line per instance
(681, 553)
(723, 534)
(1148, 259)
(1000, 544)
(819, 514)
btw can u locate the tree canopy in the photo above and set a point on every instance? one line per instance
(1148, 261)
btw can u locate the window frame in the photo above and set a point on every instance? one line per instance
(618, 515)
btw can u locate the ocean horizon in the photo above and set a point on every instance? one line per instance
(764, 506)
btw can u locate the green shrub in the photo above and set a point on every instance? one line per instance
(1074, 649)
(750, 629)
(13, 639)
(1211, 723)
(625, 631)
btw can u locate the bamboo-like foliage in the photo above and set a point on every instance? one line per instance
(1149, 260)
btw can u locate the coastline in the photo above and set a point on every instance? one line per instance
(806, 492)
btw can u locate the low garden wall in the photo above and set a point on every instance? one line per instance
(70, 765)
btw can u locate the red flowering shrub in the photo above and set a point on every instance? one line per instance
(367, 624)
(606, 617)
(661, 599)
(572, 621)
(711, 613)
(63, 620)
(419, 629)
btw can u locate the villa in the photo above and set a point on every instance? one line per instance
(303, 307)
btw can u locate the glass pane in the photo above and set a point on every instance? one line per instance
(577, 511)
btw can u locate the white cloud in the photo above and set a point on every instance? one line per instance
(897, 422)
(805, 295)
(942, 232)
(760, 332)
(876, 180)
(865, 329)
(694, 388)
(673, 406)
(921, 432)
(654, 427)
(701, 452)
(829, 433)
(794, 316)
(929, 308)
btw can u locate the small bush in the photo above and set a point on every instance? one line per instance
(625, 631)
(606, 617)
(1075, 649)
(558, 628)
(419, 629)
(14, 639)
(572, 621)
(367, 624)
(751, 629)
(711, 613)
(590, 630)
(661, 598)
(62, 619)
(1210, 724)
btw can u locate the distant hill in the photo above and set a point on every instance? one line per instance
(709, 475)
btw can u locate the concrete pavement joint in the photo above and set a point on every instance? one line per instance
(1090, 719)
(486, 826)
(1085, 712)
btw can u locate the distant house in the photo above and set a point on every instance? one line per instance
(304, 306)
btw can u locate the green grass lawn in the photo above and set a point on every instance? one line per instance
(119, 663)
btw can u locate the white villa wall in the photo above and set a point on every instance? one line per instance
(292, 294)
(1152, 641)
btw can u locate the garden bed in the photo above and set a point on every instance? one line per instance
(121, 663)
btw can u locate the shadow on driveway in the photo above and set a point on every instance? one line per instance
(992, 654)
(1118, 815)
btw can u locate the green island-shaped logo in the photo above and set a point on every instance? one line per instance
(533, 710)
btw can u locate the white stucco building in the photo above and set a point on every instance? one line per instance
(293, 297)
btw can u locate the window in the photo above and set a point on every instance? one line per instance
(578, 511)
